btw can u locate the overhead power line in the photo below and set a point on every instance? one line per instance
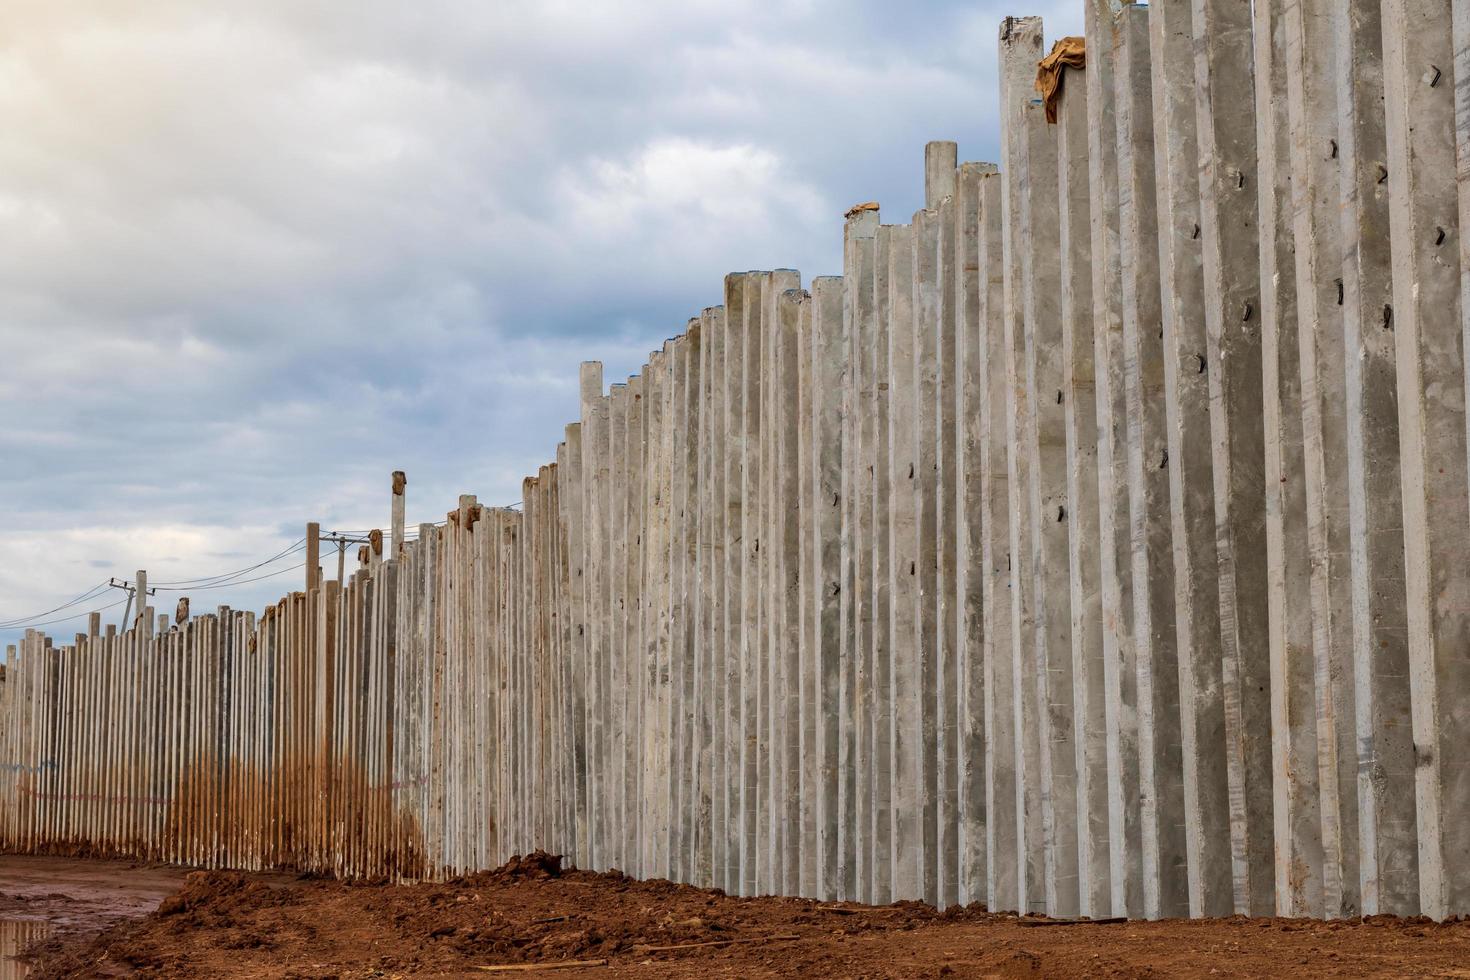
(225, 585)
(68, 619)
(27, 621)
(224, 576)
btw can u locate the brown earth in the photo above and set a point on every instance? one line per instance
(231, 924)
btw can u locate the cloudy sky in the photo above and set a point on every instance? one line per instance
(257, 254)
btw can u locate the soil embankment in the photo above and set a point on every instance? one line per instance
(231, 924)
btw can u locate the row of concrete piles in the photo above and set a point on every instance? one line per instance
(1117, 584)
(1095, 544)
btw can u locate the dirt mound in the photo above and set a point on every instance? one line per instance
(537, 864)
(534, 911)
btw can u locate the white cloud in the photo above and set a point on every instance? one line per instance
(255, 254)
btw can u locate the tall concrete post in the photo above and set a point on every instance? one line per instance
(1089, 691)
(778, 507)
(751, 827)
(922, 666)
(1317, 222)
(1002, 855)
(904, 732)
(1116, 570)
(400, 483)
(1160, 764)
(880, 661)
(1387, 859)
(808, 690)
(1226, 123)
(731, 771)
(941, 191)
(827, 365)
(1297, 823)
(1425, 120)
(619, 481)
(1047, 378)
(789, 583)
(859, 471)
(1020, 49)
(717, 340)
(970, 528)
(1191, 480)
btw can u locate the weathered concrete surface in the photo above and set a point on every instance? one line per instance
(1421, 111)
(1224, 78)
(946, 660)
(1387, 860)
(970, 533)
(1206, 839)
(1020, 48)
(1125, 853)
(1002, 854)
(1294, 742)
(1089, 689)
(1317, 222)
(1160, 768)
(928, 231)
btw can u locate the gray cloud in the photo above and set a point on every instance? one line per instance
(254, 256)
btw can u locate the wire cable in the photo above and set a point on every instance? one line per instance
(210, 579)
(91, 593)
(67, 619)
(224, 585)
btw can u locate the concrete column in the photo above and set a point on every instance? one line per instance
(730, 772)
(777, 510)
(1089, 691)
(789, 582)
(400, 482)
(750, 591)
(683, 598)
(1316, 192)
(313, 555)
(1161, 811)
(1297, 821)
(809, 606)
(905, 735)
(651, 655)
(1425, 116)
(859, 471)
(712, 582)
(827, 366)
(1002, 856)
(141, 621)
(1387, 859)
(928, 231)
(1228, 216)
(880, 661)
(1206, 842)
(1020, 48)
(970, 527)
(618, 596)
(941, 192)
(1119, 673)
(573, 505)
(642, 391)
(1047, 376)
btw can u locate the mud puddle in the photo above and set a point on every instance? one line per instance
(62, 899)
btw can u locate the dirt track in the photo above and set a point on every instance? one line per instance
(224, 924)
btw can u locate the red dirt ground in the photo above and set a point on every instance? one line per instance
(229, 924)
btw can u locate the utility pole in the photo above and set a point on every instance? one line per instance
(132, 591)
(342, 541)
